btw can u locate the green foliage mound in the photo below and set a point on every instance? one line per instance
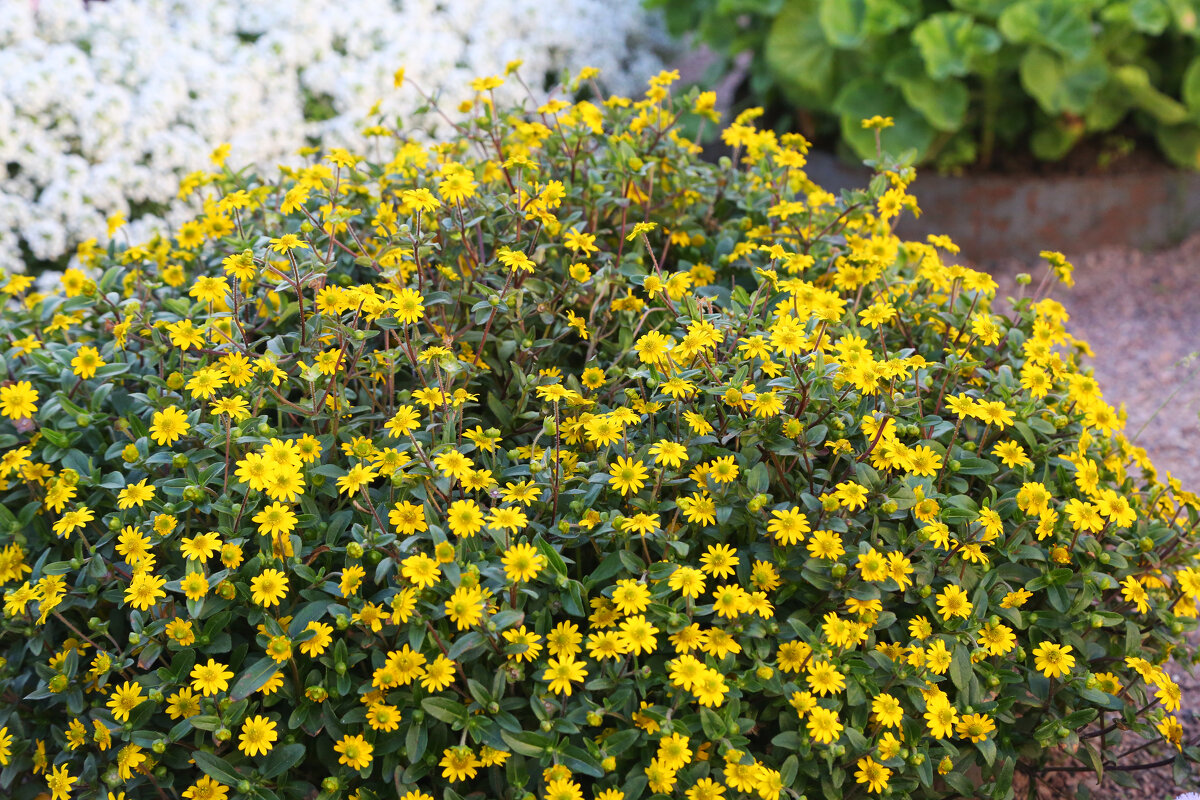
(555, 462)
(968, 78)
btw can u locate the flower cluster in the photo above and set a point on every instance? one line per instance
(553, 459)
(105, 107)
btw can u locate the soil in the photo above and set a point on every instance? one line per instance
(1116, 153)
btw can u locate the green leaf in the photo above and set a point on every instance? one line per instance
(982, 8)
(281, 759)
(987, 749)
(1136, 81)
(844, 22)
(1064, 26)
(579, 760)
(444, 709)
(757, 479)
(1149, 16)
(216, 768)
(949, 41)
(866, 97)
(1190, 91)
(621, 741)
(553, 559)
(960, 669)
(1181, 144)
(1053, 141)
(977, 466)
(887, 16)
(253, 678)
(1060, 86)
(712, 724)
(527, 743)
(942, 102)
(789, 770)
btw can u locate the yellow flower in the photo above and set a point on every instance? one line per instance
(940, 717)
(258, 736)
(321, 639)
(355, 479)
(87, 361)
(287, 243)
(952, 602)
(522, 562)
(210, 678)
(459, 763)
(145, 590)
(59, 782)
(873, 774)
(627, 475)
(464, 518)
(125, 698)
(18, 400)
(205, 789)
(168, 425)
(561, 672)
(527, 644)
(823, 725)
(268, 587)
(465, 607)
(1053, 660)
(354, 751)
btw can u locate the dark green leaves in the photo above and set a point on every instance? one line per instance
(1059, 84)
(948, 42)
(864, 98)
(1063, 26)
(799, 56)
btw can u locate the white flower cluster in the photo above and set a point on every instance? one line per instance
(105, 105)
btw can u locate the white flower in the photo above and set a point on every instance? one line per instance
(105, 109)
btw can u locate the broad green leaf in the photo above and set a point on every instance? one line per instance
(1190, 92)
(1052, 141)
(849, 23)
(1136, 81)
(254, 678)
(961, 672)
(982, 8)
(942, 102)
(987, 749)
(866, 97)
(533, 745)
(1181, 143)
(1058, 85)
(444, 709)
(281, 759)
(844, 22)
(216, 768)
(1108, 107)
(886, 16)
(621, 741)
(1149, 16)
(1061, 25)
(948, 41)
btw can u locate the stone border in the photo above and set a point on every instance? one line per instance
(996, 217)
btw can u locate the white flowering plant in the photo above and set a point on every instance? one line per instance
(104, 107)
